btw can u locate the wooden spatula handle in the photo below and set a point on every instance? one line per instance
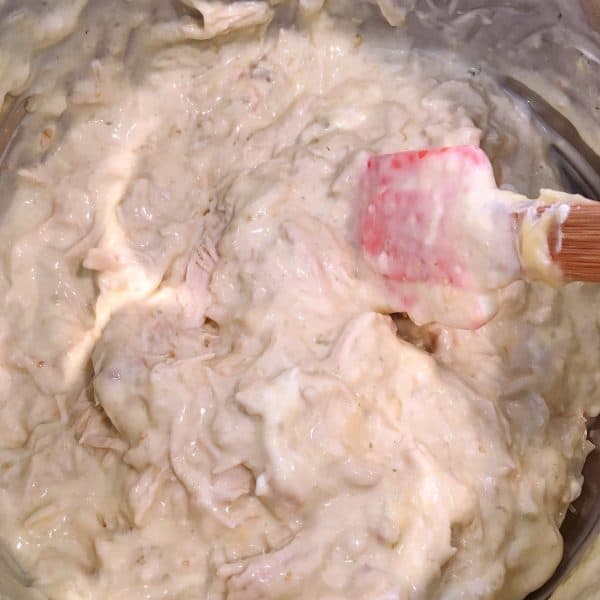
(577, 252)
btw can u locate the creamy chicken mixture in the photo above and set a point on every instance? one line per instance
(204, 393)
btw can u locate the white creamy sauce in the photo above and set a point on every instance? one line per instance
(203, 394)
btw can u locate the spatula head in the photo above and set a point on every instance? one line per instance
(436, 217)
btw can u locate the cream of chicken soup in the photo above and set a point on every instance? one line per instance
(205, 392)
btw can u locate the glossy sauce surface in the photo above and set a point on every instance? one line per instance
(203, 391)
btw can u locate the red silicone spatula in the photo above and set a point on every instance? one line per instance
(432, 216)
(435, 218)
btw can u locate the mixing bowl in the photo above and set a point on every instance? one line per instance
(551, 48)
